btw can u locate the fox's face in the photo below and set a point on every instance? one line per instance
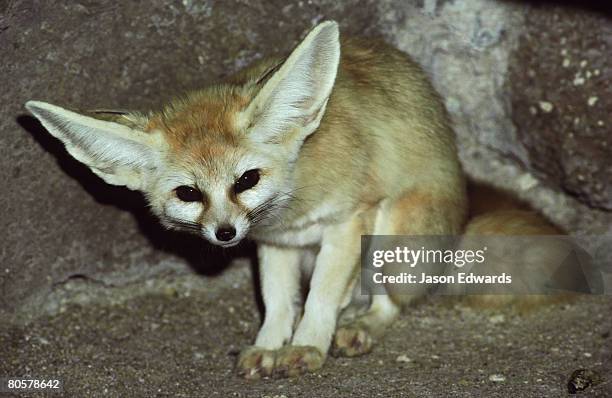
(218, 162)
(215, 179)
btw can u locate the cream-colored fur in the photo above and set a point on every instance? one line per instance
(348, 137)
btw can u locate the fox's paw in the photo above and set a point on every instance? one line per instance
(255, 363)
(352, 341)
(295, 360)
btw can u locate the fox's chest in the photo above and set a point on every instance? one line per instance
(303, 230)
(309, 236)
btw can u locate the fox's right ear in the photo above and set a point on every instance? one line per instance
(120, 154)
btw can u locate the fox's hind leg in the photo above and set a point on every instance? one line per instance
(417, 212)
(358, 336)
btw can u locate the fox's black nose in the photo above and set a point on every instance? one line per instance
(225, 233)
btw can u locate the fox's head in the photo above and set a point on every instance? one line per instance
(218, 162)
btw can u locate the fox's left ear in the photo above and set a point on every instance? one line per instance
(292, 101)
(119, 153)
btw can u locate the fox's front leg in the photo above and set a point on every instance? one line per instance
(331, 286)
(279, 270)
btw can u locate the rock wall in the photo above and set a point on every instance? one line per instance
(561, 99)
(527, 85)
(526, 120)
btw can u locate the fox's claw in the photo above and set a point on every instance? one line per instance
(352, 341)
(295, 360)
(255, 363)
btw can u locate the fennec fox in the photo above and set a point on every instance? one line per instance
(303, 155)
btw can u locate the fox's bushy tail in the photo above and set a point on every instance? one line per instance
(494, 212)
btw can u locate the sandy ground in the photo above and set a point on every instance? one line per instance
(183, 342)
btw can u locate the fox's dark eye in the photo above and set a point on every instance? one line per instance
(246, 181)
(188, 194)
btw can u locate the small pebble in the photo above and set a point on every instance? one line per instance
(579, 80)
(497, 378)
(546, 106)
(43, 341)
(402, 358)
(581, 379)
(495, 319)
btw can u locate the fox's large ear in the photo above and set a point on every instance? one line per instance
(295, 96)
(120, 154)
